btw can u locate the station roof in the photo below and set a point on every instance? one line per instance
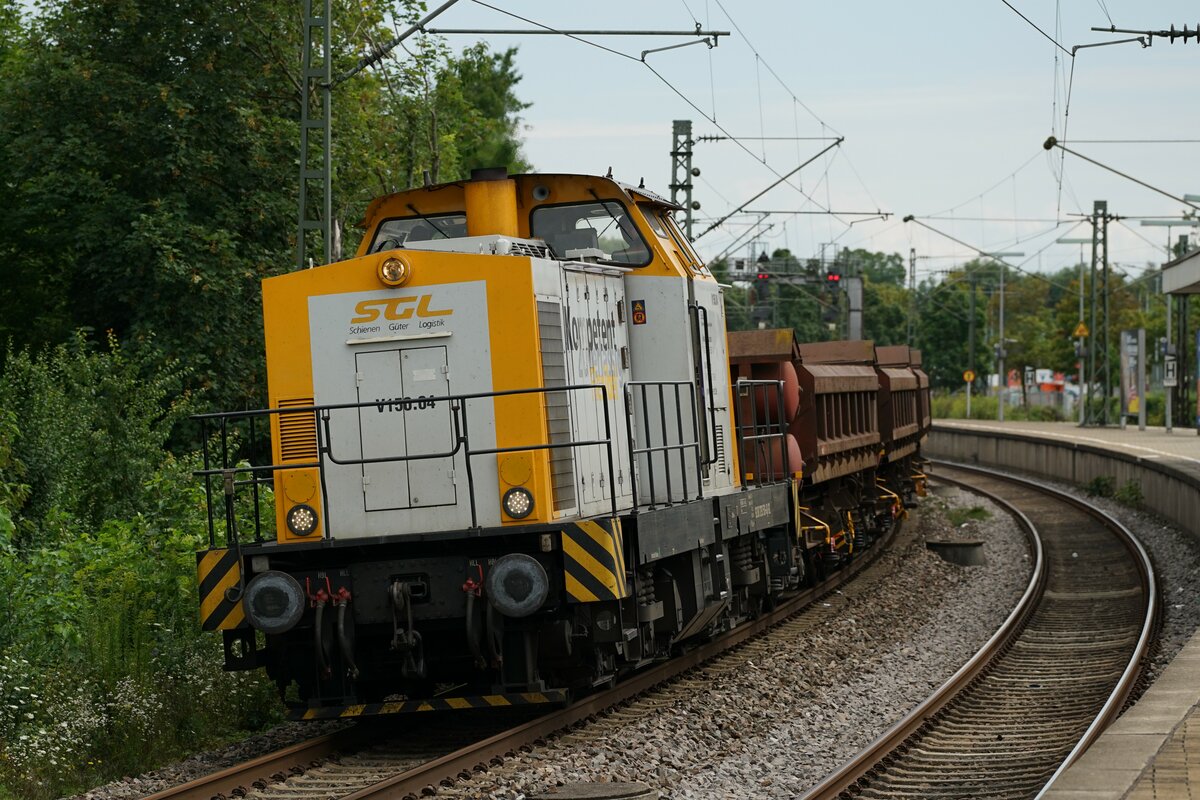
(1182, 276)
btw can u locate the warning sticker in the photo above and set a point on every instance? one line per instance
(639, 312)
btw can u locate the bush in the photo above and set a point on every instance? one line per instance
(103, 668)
(90, 426)
(114, 675)
(13, 493)
(954, 406)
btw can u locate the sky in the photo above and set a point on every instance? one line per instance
(944, 107)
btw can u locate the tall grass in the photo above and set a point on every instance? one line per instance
(103, 669)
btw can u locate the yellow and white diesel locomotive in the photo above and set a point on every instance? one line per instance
(509, 460)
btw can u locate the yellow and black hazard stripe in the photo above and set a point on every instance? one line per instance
(594, 561)
(219, 576)
(432, 704)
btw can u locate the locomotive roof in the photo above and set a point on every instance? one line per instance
(499, 173)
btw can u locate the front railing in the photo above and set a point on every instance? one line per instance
(232, 476)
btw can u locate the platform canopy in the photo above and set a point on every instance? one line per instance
(1182, 276)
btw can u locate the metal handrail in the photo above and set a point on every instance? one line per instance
(651, 449)
(762, 432)
(459, 413)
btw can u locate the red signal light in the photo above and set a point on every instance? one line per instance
(833, 277)
(762, 276)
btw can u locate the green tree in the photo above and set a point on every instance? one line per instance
(880, 268)
(885, 312)
(943, 328)
(486, 83)
(148, 153)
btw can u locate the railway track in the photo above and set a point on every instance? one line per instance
(346, 765)
(1046, 685)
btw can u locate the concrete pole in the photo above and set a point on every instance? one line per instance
(1141, 378)
(1003, 373)
(1169, 391)
(1079, 348)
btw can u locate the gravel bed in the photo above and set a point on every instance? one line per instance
(774, 717)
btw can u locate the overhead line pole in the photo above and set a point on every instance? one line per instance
(682, 171)
(316, 120)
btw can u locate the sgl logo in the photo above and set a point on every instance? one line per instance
(396, 308)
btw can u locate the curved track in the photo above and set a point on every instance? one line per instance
(1055, 675)
(398, 767)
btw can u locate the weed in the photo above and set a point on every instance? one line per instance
(960, 516)
(1130, 494)
(1101, 486)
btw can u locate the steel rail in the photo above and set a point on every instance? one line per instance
(225, 782)
(856, 769)
(1128, 681)
(853, 770)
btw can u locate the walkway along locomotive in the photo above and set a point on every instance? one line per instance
(515, 454)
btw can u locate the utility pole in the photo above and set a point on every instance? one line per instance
(971, 327)
(682, 171)
(912, 293)
(316, 102)
(316, 115)
(1084, 394)
(1002, 343)
(1099, 366)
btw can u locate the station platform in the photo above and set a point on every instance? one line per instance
(1152, 752)
(1150, 443)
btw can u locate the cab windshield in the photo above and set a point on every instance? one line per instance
(410, 231)
(571, 230)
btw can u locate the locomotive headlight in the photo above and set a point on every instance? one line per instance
(394, 271)
(302, 520)
(518, 503)
(274, 602)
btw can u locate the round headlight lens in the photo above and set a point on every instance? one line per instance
(274, 602)
(302, 520)
(394, 271)
(518, 503)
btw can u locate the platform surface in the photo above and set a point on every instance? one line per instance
(1150, 443)
(1153, 751)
